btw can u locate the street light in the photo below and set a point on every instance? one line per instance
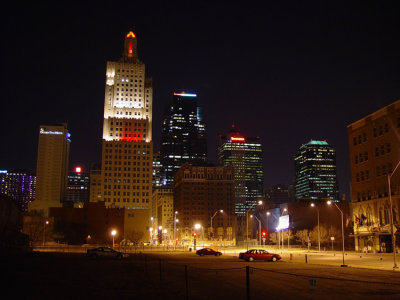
(278, 235)
(247, 221)
(212, 233)
(391, 217)
(319, 237)
(341, 212)
(283, 241)
(175, 221)
(44, 229)
(259, 228)
(113, 233)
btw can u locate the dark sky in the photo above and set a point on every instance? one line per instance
(286, 72)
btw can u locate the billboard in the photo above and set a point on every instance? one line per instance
(283, 223)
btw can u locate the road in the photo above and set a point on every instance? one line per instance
(162, 276)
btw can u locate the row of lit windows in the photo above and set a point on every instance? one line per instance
(128, 123)
(129, 157)
(118, 193)
(126, 187)
(127, 145)
(125, 175)
(130, 113)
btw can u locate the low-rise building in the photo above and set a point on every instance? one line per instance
(374, 146)
(205, 195)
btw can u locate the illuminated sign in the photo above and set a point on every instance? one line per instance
(3, 171)
(237, 139)
(183, 94)
(283, 223)
(130, 34)
(42, 131)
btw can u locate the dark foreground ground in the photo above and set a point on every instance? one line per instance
(162, 276)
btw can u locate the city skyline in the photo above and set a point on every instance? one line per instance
(289, 75)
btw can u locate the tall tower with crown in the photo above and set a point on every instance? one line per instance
(127, 145)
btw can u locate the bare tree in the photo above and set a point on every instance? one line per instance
(134, 236)
(325, 234)
(302, 237)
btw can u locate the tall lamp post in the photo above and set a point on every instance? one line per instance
(175, 221)
(44, 230)
(319, 236)
(212, 231)
(259, 228)
(152, 230)
(276, 218)
(247, 221)
(391, 218)
(341, 212)
(283, 242)
(113, 233)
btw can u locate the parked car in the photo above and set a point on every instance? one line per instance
(259, 254)
(106, 252)
(208, 251)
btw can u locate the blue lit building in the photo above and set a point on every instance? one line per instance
(315, 172)
(183, 137)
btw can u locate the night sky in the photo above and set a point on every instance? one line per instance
(287, 72)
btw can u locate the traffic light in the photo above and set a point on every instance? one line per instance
(264, 233)
(194, 234)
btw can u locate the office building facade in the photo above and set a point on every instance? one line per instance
(78, 186)
(127, 148)
(244, 154)
(374, 148)
(51, 167)
(199, 194)
(183, 137)
(315, 172)
(95, 183)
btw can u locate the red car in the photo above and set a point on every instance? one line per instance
(208, 251)
(259, 254)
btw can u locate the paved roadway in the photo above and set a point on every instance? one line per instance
(162, 276)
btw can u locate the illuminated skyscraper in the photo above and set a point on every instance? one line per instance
(51, 167)
(78, 186)
(183, 136)
(315, 172)
(245, 155)
(127, 142)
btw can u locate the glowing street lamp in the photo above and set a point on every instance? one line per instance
(341, 212)
(175, 221)
(319, 239)
(113, 233)
(212, 232)
(259, 228)
(44, 229)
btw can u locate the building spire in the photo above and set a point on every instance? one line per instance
(130, 48)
